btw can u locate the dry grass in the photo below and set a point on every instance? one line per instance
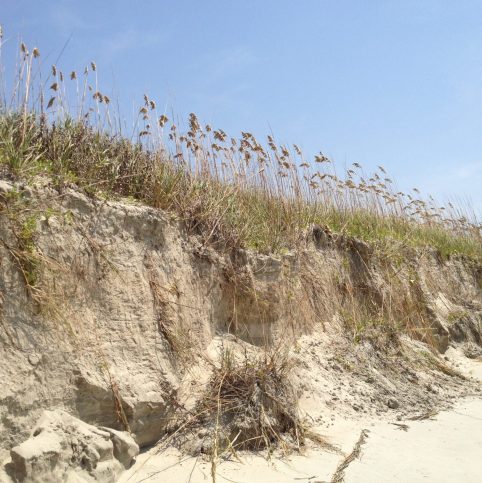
(233, 192)
(174, 333)
(255, 400)
(248, 403)
(339, 475)
(427, 415)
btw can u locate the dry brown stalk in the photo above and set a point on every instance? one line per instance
(339, 475)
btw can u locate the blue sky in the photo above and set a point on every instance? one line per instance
(391, 82)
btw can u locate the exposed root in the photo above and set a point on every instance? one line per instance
(119, 408)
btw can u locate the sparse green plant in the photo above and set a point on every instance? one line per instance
(376, 328)
(23, 221)
(20, 147)
(32, 265)
(456, 315)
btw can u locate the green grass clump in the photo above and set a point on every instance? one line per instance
(234, 192)
(28, 253)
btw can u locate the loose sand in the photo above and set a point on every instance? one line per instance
(446, 447)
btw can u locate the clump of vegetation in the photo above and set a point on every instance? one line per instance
(248, 403)
(232, 191)
(253, 402)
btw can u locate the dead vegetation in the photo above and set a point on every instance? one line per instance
(248, 403)
(176, 335)
(253, 401)
(339, 475)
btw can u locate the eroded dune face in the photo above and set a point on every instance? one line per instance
(115, 313)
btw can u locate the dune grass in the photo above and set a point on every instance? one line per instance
(233, 191)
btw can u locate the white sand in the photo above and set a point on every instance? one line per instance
(447, 449)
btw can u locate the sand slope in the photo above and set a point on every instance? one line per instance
(444, 448)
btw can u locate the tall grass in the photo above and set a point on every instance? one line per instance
(233, 191)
